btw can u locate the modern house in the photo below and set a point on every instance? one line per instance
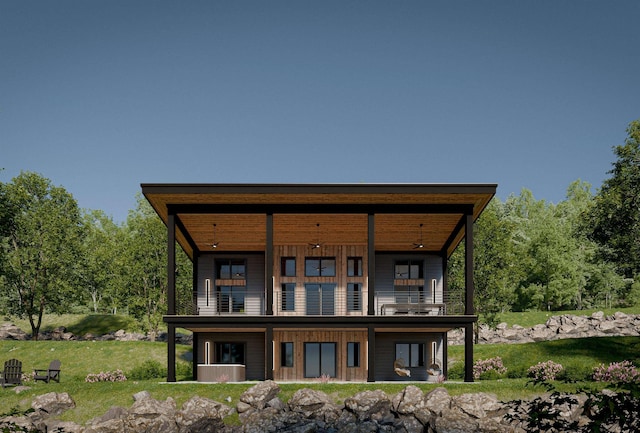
(298, 281)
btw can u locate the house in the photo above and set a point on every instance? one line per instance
(298, 281)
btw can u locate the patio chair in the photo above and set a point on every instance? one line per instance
(399, 368)
(12, 373)
(52, 373)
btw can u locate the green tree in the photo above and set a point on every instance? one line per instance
(144, 268)
(101, 259)
(41, 248)
(615, 217)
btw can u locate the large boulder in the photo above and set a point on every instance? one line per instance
(201, 415)
(314, 404)
(53, 403)
(9, 331)
(370, 405)
(259, 395)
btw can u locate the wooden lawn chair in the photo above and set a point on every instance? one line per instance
(52, 373)
(12, 373)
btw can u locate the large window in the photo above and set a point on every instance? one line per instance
(231, 299)
(288, 297)
(231, 269)
(288, 267)
(411, 353)
(354, 297)
(320, 267)
(408, 269)
(409, 294)
(353, 354)
(320, 299)
(230, 353)
(286, 354)
(319, 359)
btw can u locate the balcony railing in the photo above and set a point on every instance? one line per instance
(331, 302)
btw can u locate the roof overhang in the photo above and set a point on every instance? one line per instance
(330, 213)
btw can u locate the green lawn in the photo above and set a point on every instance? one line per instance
(530, 318)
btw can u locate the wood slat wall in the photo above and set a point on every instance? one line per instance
(300, 336)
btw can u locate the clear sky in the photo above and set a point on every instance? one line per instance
(100, 96)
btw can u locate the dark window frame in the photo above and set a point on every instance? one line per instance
(321, 344)
(354, 267)
(419, 352)
(353, 354)
(330, 263)
(230, 273)
(288, 294)
(225, 347)
(287, 354)
(411, 266)
(285, 263)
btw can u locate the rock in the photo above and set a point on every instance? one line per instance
(141, 395)
(258, 395)
(476, 405)
(53, 403)
(9, 331)
(201, 415)
(152, 416)
(369, 405)
(314, 405)
(408, 400)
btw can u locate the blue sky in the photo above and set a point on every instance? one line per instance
(100, 96)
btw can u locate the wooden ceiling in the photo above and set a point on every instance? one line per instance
(199, 206)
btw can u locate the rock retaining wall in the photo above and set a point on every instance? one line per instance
(261, 410)
(556, 328)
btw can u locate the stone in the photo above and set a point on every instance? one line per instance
(369, 405)
(408, 400)
(200, 414)
(53, 403)
(314, 404)
(142, 395)
(9, 331)
(258, 395)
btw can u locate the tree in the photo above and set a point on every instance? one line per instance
(615, 217)
(101, 259)
(41, 248)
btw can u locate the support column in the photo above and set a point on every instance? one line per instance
(468, 268)
(268, 352)
(196, 354)
(171, 296)
(371, 354)
(269, 267)
(468, 352)
(171, 352)
(371, 268)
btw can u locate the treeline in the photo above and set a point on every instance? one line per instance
(56, 258)
(583, 252)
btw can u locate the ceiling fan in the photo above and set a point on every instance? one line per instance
(419, 244)
(316, 244)
(214, 245)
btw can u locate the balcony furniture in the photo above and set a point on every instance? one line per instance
(400, 369)
(51, 373)
(221, 373)
(12, 373)
(413, 308)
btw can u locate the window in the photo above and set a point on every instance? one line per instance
(412, 353)
(288, 267)
(354, 297)
(320, 299)
(408, 269)
(320, 267)
(231, 299)
(230, 353)
(234, 269)
(354, 266)
(353, 354)
(409, 294)
(319, 359)
(286, 354)
(288, 297)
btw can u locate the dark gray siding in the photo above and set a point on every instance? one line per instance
(254, 350)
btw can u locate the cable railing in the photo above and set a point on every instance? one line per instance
(327, 302)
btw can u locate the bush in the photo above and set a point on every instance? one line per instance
(106, 376)
(545, 371)
(619, 373)
(149, 369)
(491, 368)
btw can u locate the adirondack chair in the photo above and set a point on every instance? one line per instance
(12, 373)
(52, 373)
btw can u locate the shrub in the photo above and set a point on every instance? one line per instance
(149, 369)
(106, 376)
(619, 373)
(545, 371)
(491, 368)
